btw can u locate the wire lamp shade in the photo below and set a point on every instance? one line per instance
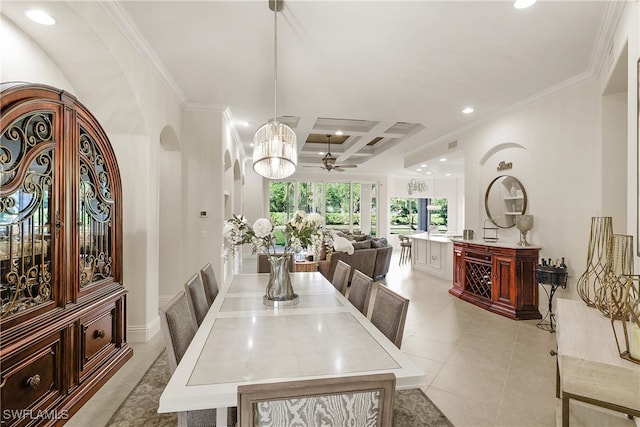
(275, 151)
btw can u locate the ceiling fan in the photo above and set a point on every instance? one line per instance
(329, 160)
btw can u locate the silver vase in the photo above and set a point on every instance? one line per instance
(279, 290)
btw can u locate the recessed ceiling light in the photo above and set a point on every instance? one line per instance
(523, 4)
(448, 174)
(429, 173)
(338, 132)
(418, 170)
(468, 110)
(320, 153)
(251, 144)
(242, 123)
(423, 166)
(39, 16)
(442, 159)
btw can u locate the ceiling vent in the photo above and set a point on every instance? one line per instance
(452, 144)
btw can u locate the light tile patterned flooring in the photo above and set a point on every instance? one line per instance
(482, 369)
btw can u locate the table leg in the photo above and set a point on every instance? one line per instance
(221, 417)
(565, 410)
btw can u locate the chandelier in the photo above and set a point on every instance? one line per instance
(275, 153)
(419, 186)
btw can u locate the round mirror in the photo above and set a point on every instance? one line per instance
(504, 200)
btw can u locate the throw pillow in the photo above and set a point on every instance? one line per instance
(362, 245)
(360, 237)
(379, 243)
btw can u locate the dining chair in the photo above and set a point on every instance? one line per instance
(210, 283)
(389, 314)
(341, 276)
(265, 267)
(362, 400)
(197, 299)
(360, 291)
(177, 336)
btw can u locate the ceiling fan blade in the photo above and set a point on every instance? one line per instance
(338, 169)
(347, 166)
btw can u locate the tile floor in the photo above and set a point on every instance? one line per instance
(482, 369)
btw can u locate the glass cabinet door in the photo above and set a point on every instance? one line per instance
(27, 159)
(95, 214)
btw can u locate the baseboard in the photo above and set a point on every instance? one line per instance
(143, 333)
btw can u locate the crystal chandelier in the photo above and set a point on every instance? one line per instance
(275, 153)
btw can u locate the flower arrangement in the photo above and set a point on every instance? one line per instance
(301, 232)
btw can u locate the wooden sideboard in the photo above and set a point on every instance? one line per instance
(499, 277)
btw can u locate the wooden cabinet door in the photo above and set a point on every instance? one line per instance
(503, 289)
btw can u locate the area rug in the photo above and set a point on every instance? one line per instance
(412, 408)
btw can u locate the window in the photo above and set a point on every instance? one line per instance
(404, 215)
(339, 202)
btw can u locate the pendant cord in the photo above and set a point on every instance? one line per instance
(275, 62)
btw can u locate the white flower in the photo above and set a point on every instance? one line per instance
(262, 228)
(315, 219)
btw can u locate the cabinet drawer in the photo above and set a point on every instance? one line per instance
(97, 338)
(31, 380)
(478, 255)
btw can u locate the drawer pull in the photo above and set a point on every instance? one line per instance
(33, 381)
(99, 334)
(553, 353)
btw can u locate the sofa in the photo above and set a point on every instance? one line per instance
(371, 256)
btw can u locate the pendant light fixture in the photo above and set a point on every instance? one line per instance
(275, 152)
(433, 206)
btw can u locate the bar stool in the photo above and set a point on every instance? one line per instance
(405, 249)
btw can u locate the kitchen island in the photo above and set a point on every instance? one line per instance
(433, 254)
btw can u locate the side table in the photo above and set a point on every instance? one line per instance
(554, 278)
(305, 266)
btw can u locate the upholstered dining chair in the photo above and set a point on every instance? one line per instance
(360, 291)
(177, 336)
(355, 401)
(389, 314)
(197, 299)
(265, 267)
(341, 276)
(210, 283)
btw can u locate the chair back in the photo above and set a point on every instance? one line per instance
(390, 313)
(360, 291)
(197, 299)
(210, 283)
(265, 267)
(177, 328)
(341, 276)
(365, 400)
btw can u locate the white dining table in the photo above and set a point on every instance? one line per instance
(242, 341)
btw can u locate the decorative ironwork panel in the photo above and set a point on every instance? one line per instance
(26, 185)
(95, 213)
(478, 279)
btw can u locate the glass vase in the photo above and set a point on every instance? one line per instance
(279, 290)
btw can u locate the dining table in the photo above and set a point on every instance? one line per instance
(242, 341)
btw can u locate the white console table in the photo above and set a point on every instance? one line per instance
(590, 368)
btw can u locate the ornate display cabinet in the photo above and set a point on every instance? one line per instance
(62, 319)
(497, 277)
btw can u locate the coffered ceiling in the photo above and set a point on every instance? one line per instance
(392, 76)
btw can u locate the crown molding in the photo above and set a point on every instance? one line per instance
(124, 23)
(607, 31)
